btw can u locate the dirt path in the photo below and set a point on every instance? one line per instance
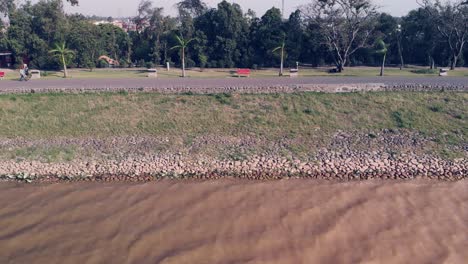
(290, 221)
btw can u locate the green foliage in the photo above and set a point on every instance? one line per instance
(223, 98)
(269, 32)
(402, 120)
(381, 47)
(149, 65)
(295, 38)
(226, 37)
(63, 54)
(424, 71)
(123, 92)
(436, 108)
(103, 64)
(225, 30)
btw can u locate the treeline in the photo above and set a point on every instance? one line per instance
(323, 32)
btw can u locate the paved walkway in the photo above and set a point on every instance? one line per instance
(223, 82)
(7, 86)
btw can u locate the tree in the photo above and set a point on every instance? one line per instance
(6, 6)
(345, 24)
(281, 48)
(63, 54)
(382, 49)
(225, 31)
(189, 10)
(84, 39)
(267, 33)
(182, 45)
(114, 42)
(388, 29)
(451, 20)
(73, 2)
(420, 39)
(193, 8)
(295, 37)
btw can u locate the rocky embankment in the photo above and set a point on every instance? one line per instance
(253, 88)
(256, 168)
(344, 157)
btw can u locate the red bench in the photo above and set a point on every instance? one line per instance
(2, 75)
(243, 72)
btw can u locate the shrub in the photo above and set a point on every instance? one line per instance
(149, 65)
(123, 63)
(223, 98)
(310, 111)
(400, 120)
(189, 63)
(424, 71)
(436, 108)
(103, 64)
(141, 63)
(203, 60)
(123, 92)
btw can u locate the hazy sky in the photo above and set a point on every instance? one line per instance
(128, 7)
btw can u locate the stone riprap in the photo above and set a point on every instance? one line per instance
(257, 168)
(239, 85)
(343, 157)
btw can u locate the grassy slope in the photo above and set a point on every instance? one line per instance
(309, 116)
(223, 73)
(52, 115)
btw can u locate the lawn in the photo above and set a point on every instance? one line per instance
(223, 73)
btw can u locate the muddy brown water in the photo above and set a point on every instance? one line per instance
(289, 221)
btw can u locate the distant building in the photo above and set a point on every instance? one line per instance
(127, 25)
(115, 23)
(6, 59)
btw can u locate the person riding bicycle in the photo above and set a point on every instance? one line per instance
(24, 73)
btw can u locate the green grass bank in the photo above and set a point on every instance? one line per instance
(150, 114)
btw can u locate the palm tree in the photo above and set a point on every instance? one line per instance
(281, 47)
(182, 45)
(382, 49)
(63, 54)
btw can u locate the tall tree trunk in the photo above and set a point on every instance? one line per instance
(431, 63)
(340, 66)
(400, 53)
(282, 62)
(165, 52)
(65, 73)
(129, 55)
(382, 68)
(183, 62)
(453, 63)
